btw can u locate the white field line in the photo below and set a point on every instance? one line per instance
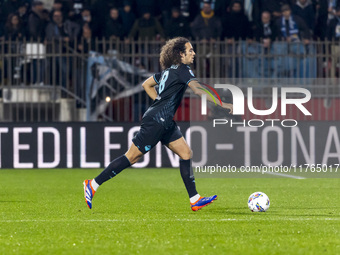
(173, 220)
(286, 175)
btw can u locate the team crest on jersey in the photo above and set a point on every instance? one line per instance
(192, 73)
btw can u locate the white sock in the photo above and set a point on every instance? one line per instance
(195, 198)
(94, 184)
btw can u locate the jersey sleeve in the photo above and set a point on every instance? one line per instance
(186, 75)
(157, 77)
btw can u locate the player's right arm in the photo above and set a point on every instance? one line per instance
(149, 87)
(198, 90)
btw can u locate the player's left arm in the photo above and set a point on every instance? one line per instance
(149, 87)
(198, 90)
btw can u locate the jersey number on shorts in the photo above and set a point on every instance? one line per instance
(163, 80)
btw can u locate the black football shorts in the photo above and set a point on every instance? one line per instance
(151, 132)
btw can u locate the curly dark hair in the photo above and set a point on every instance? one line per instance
(170, 52)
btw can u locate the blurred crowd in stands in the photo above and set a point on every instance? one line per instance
(74, 26)
(206, 20)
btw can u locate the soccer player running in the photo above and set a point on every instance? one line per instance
(158, 124)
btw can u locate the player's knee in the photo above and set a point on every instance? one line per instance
(133, 158)
(186, 155)
(136, 159)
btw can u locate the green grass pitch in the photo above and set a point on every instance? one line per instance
(146, 211)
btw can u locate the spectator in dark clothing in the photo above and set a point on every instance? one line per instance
(146, 27)
(128, 18)
(272, 6)
(55, 30)
(333, 33)
(86, 42)
(36, 22)
(333, 30)
(206, 26)
(23, 14)
(189, 9)
(46, 16)
(114, 26)
(252, 11)
(221, 6)
(166, 9)
(218, 6)
(62, 34)
(86, 17)
(305, 10)
(100, 11)
(13, 32)
(9, 7)
(61, 31)
(58, 5)
(177, 25)
(292, 28)
(235, 23)
(13, 28)
(266, 32)
(321, 10)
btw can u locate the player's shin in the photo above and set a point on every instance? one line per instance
(188, 177)
(114, 168)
